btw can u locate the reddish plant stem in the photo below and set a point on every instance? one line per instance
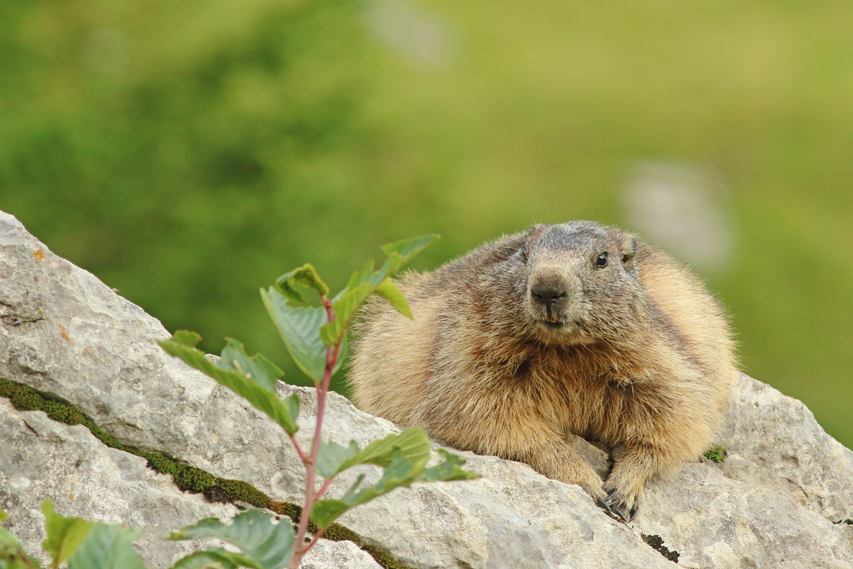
(302, 456)
(317, 536)
(325, 487)
(26, 560)
(311, 462)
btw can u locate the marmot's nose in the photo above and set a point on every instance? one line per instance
(547, 294)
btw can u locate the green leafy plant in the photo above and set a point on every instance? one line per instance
(716, 453)
(83, 544)
(12, 554)
(315, 335)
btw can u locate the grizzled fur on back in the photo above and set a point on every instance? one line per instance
(564, 329)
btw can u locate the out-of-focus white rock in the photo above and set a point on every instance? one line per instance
(683, 208)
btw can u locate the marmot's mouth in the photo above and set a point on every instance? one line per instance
(555, 325)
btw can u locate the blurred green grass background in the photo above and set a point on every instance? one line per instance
(188, 153)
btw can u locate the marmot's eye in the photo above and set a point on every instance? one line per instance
(601, 260)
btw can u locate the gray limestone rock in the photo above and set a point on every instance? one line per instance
(774, 440)
(771, 504)
(337, 555)
(41, 458)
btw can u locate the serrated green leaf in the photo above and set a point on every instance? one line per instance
(344, 309)
(7, 539)
(2, 517)
(401, 252)
(187, 338)
(364, 276)
(12, 554)
(306, 275)
(448, 469)
(397, 254)
(257, 367)
(389, 290)
(331, 456)
(306, 330)
(282, 412)
(358, 277)
(213, 559)
(409, 248)
(107, 546)
(404, 465)
(300, 329)
(412, 444)
(325, 512)
(64, 535)
(400, 472)
(265, 544)
(292, 405)
(366, 281)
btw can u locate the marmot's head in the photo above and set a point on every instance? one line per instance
(582, 284)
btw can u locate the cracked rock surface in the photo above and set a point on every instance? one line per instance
(772, 503)
(41, 458)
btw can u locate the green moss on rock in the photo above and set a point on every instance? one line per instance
(292, 511)
(6, 388)
(26, 399)
(62, 412)
(716, 453)
(159, 462)
(112, 441)
(187, 478)
(384, 558)
(192, 479)
(239, 490)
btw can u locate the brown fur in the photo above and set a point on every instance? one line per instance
(640, 357)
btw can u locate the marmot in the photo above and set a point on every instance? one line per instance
(574, 328)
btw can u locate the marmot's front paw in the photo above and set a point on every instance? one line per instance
(595, 490)
(618, 507)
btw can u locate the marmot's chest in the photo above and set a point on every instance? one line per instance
(580, 394)
(571, 368)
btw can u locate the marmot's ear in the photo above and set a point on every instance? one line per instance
(535, 231)
(627, 248)
(529, 239)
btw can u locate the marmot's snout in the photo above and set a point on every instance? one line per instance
(549, 294)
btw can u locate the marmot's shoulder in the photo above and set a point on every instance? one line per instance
(484, 260)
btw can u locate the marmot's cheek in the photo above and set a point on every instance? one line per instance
(531, 313)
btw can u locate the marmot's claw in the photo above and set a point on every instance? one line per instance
(614, 507)
(619, 513)
(604, 506)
